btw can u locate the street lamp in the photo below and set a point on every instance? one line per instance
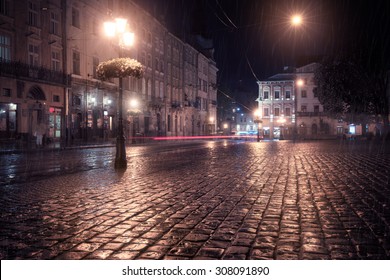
(258, 121)
(117, 30)
(296, 20)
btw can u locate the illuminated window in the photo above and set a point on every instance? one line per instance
(5, 47)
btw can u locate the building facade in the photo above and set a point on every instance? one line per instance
(290, 107)
(32, 77)
(49, 53)
(312, 121)
(277, 106)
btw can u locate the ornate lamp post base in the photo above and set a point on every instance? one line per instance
(120, 159)
(119, 68)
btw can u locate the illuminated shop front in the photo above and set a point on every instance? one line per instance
(8, 120)
(55, 123)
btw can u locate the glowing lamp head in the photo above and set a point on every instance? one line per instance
(296, 20)
(110, 29)
(128, 39)
(134, 103)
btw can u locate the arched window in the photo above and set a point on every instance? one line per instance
(36, 93)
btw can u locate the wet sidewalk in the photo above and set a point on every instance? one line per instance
(14, 146)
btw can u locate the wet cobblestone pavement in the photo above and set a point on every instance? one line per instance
(268, 200)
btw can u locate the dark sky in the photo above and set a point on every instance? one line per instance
(257, 34)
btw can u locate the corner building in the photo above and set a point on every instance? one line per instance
(290, 107)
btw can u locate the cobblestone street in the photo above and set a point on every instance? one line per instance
(227, 200)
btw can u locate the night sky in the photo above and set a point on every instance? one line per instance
(254, 39)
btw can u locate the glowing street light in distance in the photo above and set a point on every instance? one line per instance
(296, 20)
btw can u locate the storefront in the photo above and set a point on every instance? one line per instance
(55, 124)
(8, 120)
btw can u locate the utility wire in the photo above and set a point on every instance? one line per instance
(249, 64)
(231, 98)
(225, 14)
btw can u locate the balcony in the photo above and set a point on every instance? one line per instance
(16, 69)
(311, 114)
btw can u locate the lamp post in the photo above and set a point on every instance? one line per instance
(258, 121)
(117, 30)
(133, 113)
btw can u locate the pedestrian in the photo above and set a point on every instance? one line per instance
(39, 132)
